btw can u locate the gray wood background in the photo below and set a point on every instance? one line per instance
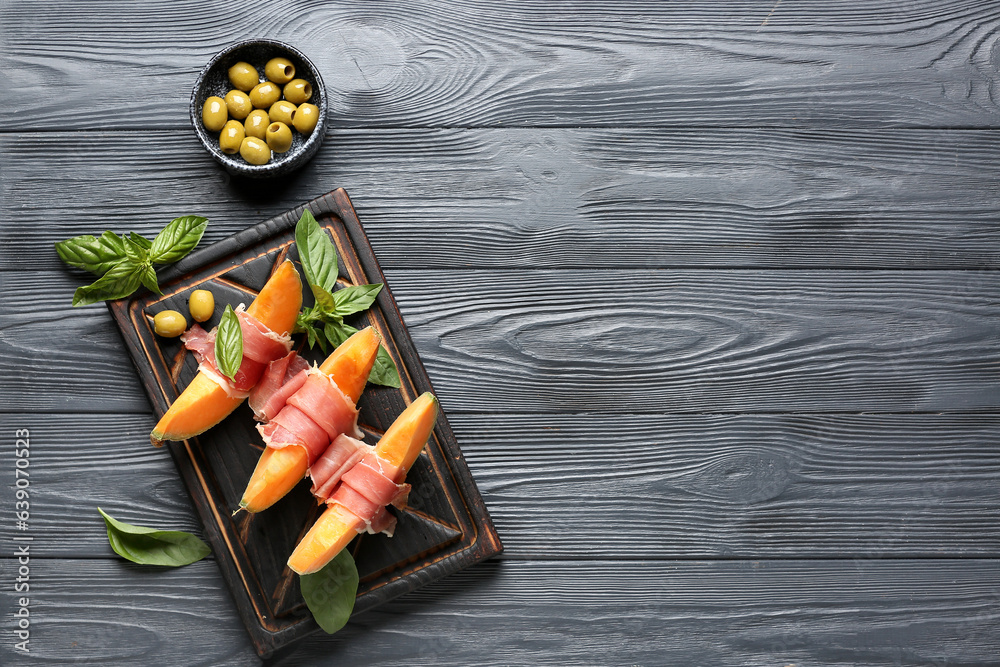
(708, 290)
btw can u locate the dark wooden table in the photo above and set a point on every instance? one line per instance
(709, 292)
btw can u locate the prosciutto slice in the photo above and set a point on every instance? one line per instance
(282, 378)
(342, 455)
(260, 347)
(321, 399)
(291, 426)
(367, 488)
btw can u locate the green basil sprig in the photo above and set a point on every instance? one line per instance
(149, 546)
(229, 343)
(126, 262)
(330, 593)
(323, 323)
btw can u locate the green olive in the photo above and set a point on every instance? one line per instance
(265, 94)
(255, 151)
(281, 112)
(243, 76)
(256, 123)
(169, 323)
(279, 70)
(279, 137)
(305, 118)
(238, 103)
(214, 114)
(231, 137)
(201, 303)
(298, 91)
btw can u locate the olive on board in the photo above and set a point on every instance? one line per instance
(279, 70)
(169, 323)
(214, 114)
(201, 303)
(255, 151)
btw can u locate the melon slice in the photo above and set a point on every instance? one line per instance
(203, 403)
(279, 470)
(400, 446)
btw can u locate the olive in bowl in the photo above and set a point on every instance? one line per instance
(254, 56)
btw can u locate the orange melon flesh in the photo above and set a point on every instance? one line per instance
(400, 445)
(279, 470)
(203, 403)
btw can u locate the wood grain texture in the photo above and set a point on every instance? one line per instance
(604, 341)
(545, 613)
(446, 63)
(593, 486)
(546, 198)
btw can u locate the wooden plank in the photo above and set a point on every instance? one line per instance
(545, 613)
(606, 486)
(439, 63)
(547, 198)
(603, 341)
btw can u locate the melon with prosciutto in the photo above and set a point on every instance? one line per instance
(261, 346)
(206, 401)
(282, 378)
(357, 503)
(299, 433)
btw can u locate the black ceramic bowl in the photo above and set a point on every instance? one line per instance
(214, 80)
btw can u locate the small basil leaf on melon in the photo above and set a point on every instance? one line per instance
(229, 344)
(149, 546)
(330, 593)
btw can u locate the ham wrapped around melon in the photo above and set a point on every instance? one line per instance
(357, 501)
(305, 411)
(261, 346)
(210, 397)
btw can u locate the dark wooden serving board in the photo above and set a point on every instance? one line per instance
(445, 528)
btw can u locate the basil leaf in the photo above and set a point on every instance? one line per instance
(148, 546)
(355, 298)
(324, 300)
(148, 278)
(140, 240)
(135, 251)
(121, 280)
(313, 339)
(331, 592)
(336, 333)
(229, 344)
(96, 255)
(384, 370)
(317, 254)
(177, 239)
